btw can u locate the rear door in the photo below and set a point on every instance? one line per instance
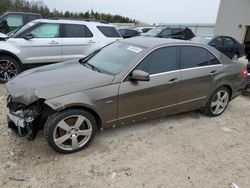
(199, 72)
(44, 47)
(78, 41)
(140, 100)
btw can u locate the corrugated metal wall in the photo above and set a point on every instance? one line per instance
(233, 18)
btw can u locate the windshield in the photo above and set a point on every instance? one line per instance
(114, 58)
(21, 29)
(154, 32)
(201, 39)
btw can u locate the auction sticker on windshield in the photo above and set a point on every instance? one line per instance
(134, 49)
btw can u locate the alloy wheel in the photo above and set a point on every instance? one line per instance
(72, 132)
(220, 102)
(7, 70)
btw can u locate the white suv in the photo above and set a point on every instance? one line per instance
(48, 41)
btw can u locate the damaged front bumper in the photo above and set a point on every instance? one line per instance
(22, 119)
(22, 127)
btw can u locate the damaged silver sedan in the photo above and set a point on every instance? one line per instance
(126, 82)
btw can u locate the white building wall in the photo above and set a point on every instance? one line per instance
(233, 18)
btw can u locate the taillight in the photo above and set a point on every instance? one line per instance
(244, 72)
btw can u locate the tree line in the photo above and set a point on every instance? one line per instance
(41, 8)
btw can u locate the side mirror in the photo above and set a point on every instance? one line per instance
(139, 75)
(28, 36)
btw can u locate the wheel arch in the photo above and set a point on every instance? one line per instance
(90, 110)
(80, 107)
(229, 89)
(7, 53)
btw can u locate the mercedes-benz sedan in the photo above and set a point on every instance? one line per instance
(126, 82)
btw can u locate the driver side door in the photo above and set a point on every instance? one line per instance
(45, 46)
(138, 100)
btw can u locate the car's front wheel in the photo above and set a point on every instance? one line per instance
(218, 102)
(70, 131)
(9, 68)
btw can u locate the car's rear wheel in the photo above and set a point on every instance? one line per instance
(70, 131)
(9, 68)
(218, 102)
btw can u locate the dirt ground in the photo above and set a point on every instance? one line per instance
(185, 150)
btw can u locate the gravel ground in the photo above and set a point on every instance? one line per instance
(185, 150)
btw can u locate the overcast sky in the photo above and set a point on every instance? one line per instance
(149, 11)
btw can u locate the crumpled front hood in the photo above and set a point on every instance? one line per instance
(54, 80)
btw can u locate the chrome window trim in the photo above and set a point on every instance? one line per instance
(163, 73)
(196, 99)
(175, 45)
(180, 70)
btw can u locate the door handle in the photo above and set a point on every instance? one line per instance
(173, 81)
(91, 42)
(212, 73)
(54, 42)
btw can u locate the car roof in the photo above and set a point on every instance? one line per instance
(30, 13)
(154, 42)
(71, 21)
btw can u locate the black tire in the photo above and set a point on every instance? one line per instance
(208, 109)
(14, 65)
(52, 124)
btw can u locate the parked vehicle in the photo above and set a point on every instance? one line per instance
(49, 41)
(227, 45)
(125, 82)
(144, 29)
(248, 74)
(171, 32)
(13, 20)
(128, 33)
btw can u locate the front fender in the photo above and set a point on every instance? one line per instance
(71, 100)
(6, 46)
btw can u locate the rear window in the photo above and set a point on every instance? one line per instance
(109, 31)
(76, 31)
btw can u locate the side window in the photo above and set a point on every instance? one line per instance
(159, 61)
(228, 41)
(46, 30)
(166, 32)
(193, 57)
(14, 20)
(123, 31)
(212, 59)
(177, 31)
(109, 31)
(132, 32)
(217, 42)
(32, 17)
(76, 31)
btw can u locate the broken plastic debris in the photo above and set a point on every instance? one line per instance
(113, 175)
(233, 185)
(227, 130)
